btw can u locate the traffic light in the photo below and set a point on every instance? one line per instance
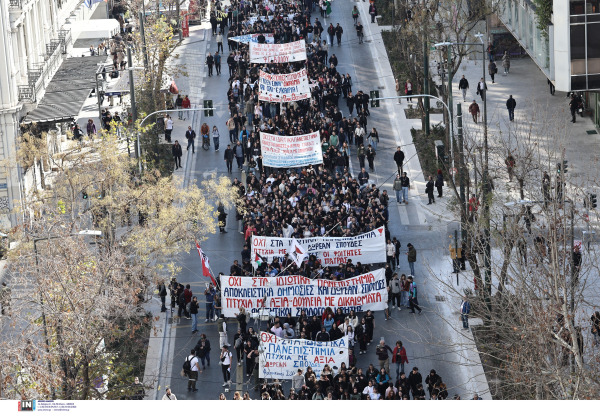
(558, 168)
(593, 201)
(84, 194)
(374, 95)
(565, 166)
(208, 104)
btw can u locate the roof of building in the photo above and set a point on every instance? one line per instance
(67, 91)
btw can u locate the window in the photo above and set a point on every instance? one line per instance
(578, 49)
(577, 7)
(594, 81)
(578, 83)
(593, 48)
(592, 7)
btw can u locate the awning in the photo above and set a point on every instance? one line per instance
(95, 29)
(67, 91)
(121, 85)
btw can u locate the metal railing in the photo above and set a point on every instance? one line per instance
(41, 73)
(65, 36)
(15, 4)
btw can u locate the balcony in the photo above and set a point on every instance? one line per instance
(40, 75)
(15, 4)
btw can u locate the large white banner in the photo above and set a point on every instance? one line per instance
(278, 53)
(291, 151)
(330, 251)
(293, 294)
(281, 88)
(281, 358)
(247, 38)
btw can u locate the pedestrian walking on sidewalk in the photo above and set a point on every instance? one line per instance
(439, 182)
(506, 62)
(186, 104)
(463, 85)
(510, 105)
(373, 12)
(162, 292)
(573, 105)
(169, 396)
(359, 33)
(331, 33)
(492, 70)
(209, 295)
(399, 159)
(408, 90)
(168, 128)
(177, 153)
(226, 359)
(194, 306)
(482, 89)
(202, 349)
(229, 155)
(398, 187)
(399, 358)
(210, 61)
(405, 187)
(219, 40)
(355, 14)
(222, 218)
(412, 296)
(412, 258)
(338, 33)
(474, 110)
(395, 284)
(390, 254)
(179, 106)
(218, 62)
(192, 373)
(429, 190)
(465, 309)
(216, 136)
(190, 135)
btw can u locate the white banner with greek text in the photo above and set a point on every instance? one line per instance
(247, 38)
(281, 295)
(281, 88)
(330, 251)
(278, 53)
(291, 151)
(281, 358)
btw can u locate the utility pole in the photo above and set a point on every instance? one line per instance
(574, 276)
(426, 83)
(143, 34)
(450, 111)
(132, 97)
(461, 171)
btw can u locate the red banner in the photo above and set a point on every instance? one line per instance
(185, 24)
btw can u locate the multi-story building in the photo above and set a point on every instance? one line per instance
(569, 55)
(34, 39)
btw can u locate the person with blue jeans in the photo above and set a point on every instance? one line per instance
(412, 258)
(399, 358)
(217, 306)
(210, 294)
(405, 187)
(202, 349)
(194, 305)
(465, 309)
(397, 187)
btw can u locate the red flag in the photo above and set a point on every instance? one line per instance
(205, 265)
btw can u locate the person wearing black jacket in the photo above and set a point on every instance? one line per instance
(338, 34)
(222, 218)
(431, 380)
(333, 60)
(173, 287)
(414, 379)
(190, 135)
(210, 61)
(429, 190)
(439, 182)
(229, 158)
(177, 153)
(163, 296)
(510, 105)
(335, 333)
(399, 159)
(194, 305)
(323, 336)
(315, 327)
(202, 349)
(350, 103)
(463, 85)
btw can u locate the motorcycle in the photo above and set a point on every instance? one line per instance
(205, 142)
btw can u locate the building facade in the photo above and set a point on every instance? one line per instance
(34, 39)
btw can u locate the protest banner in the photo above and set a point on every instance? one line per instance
(247, 38)
(281, 358)
(291, 151)
(281, 295)
(277, 53)
(330, 251)
(281, 88)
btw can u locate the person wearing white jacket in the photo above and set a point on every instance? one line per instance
(353, 319)
(169, 396)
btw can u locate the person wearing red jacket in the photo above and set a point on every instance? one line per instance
(399, 358)
(185, 104)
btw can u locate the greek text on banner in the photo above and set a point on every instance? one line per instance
(330, 251)
(280, 88)
(291, 151)
(293, 294)
(277, 53)
(281, 358)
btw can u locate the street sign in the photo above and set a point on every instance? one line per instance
(453, 170)
(586, 217)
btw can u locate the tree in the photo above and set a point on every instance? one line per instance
(90, 294)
